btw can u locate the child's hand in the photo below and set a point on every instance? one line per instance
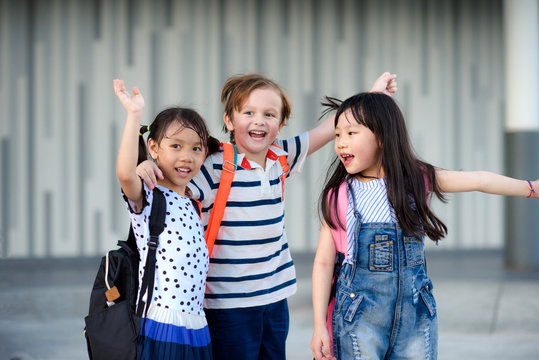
(131, 103)
(320, 344)
(149, 173)
(385, 84)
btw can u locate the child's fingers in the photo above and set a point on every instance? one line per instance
(388, 77)
(325, 347)
(383, 82)
(157, 173)
(392, 86)
(115, 86)
(118, 85)
(316, 348)
(148, 177)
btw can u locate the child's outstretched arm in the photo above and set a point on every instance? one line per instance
(484, 181)
(325, 132)
(126, 163)
(323, 265)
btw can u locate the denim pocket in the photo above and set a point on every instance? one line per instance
(381, 254)
(348, 304)
(428, 298)
(414, 251)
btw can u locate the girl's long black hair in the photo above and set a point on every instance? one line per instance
(408, 179)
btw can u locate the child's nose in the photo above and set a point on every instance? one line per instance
(259, 119)
(186, 156)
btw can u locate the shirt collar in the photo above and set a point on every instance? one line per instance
(272, 156)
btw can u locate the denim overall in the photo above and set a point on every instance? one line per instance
(384, 308)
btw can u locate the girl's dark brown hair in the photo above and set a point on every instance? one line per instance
(408, 179)
(238, 88)
(186, 118)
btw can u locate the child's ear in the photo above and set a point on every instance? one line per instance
(283, 123)
(228, 122)
(153, 148)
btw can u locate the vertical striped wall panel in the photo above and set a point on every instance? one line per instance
(60, 122)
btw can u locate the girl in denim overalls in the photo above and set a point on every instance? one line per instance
(375, 212)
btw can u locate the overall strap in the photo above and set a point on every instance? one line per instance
(357, 217)
(352, 196)
(230, 156)
(157, 224)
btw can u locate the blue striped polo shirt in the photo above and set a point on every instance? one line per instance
(251, 263)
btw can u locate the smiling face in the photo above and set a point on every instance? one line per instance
(256, 123)
(357, 147)
(179, 155)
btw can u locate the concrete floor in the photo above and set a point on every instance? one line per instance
(484, 311)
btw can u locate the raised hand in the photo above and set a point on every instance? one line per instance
(385, 84)
(131, 103)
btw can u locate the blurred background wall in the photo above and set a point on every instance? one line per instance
(60, 122)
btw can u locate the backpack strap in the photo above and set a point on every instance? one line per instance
(340, 239)
(157, 224)
(230, 156)
(197, 205)
(283, 160)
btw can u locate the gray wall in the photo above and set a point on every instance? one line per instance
(60, 122)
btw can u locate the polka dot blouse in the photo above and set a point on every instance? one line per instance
(181, 257)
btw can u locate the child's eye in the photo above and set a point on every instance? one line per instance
(197, 148)
(270, 115)
(351, 132)
(248, 113)
(176, 146)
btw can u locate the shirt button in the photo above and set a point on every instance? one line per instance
(352, 295)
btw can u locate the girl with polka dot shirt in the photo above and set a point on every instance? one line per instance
(175, 326)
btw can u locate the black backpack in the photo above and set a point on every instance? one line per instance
(113, 321)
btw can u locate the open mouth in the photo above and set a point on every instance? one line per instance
(183, 171)
(346, 159)
(257, 134)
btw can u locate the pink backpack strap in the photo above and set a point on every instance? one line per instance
(341, 245)
(339, 234)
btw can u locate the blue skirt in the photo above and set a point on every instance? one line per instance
(172, 335)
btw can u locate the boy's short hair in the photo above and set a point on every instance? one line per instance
(237, 89)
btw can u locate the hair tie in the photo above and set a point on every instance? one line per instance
(144, 129)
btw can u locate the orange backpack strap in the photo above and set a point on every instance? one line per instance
(227, 175)
(283, 160)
